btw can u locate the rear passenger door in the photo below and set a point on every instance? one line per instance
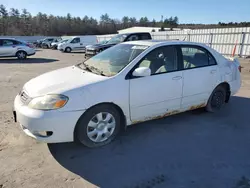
(7, 48)
(200, 75)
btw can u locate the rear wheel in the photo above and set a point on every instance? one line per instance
(98, 126)
(68, 49)
(217, 99)
(21, 55)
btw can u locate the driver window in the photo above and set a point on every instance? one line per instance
(133, 37)
(161, 60)
(75, 40)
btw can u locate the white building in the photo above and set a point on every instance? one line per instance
(144, 29)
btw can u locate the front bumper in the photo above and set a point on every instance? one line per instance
(54, 46)
(59, 125)
(60, 48)
(90, 52)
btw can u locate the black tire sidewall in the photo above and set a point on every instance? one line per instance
(68, 49)
(81, 127)
(209, 106)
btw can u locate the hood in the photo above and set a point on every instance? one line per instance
(54, 43)
(97, 46)
(60, 81)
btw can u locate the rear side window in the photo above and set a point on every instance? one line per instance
(194, 57)
(145, 36)
(7, 42)
(15, 42)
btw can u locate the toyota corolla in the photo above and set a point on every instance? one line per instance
(131, 82)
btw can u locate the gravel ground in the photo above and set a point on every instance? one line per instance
(193, 149)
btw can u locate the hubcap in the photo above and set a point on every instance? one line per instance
(21, 55)
(217, 100)
(101, 127)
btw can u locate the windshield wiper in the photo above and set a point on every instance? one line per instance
(97, 70)
(84, 67)
(91, 68)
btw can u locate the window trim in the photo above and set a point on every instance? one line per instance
(180, 46)
(129, 75)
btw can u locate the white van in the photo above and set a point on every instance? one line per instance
(77, 43)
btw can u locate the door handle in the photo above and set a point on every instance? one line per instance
(213, 71)
(177, 78)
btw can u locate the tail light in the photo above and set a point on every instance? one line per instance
(29, 45)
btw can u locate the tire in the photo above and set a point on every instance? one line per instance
(21, 55)
(98, 126)
(217, 99)
(68, 49)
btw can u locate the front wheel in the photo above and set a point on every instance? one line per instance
(217, 99)
(98, 126)
(68, 49)
(21, 55)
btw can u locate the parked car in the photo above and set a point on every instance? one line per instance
(94, 49)
(77, 43)
(128, 83)
(101, 42)
(10, 47)
(39, 43)
(47, 42)
(55, 44)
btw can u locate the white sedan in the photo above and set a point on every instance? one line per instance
(131, 82)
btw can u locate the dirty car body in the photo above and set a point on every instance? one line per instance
(156, 79)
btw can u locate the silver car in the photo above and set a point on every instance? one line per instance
(10, 47)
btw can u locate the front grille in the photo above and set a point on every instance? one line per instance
(24, 97)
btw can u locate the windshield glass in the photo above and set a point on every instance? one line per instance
(117, 39)
(65, 40)
(113, 60)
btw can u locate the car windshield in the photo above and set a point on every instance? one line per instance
(117, 39)
(65, 40)
(113, 60)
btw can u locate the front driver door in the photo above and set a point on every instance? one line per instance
(75, 44)
(160, 93)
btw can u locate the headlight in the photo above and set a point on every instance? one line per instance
(48, 102)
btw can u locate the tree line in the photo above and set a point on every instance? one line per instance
(16, 22)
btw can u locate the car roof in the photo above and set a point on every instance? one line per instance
(166, 42)
(133, 33)
(8, 38)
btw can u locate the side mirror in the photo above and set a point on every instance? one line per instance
(142, 72)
